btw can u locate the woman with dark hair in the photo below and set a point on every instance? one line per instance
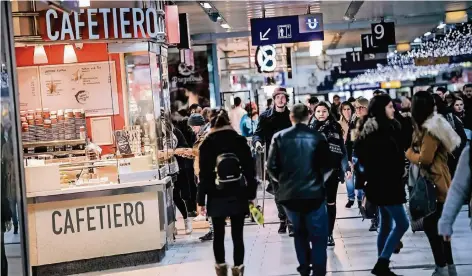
(227, 181)
(433, 140)
(458, 108)
(379, 151)
(457, 126)
(249, 120)
(326, 124)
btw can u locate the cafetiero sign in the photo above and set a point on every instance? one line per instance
(104, 23)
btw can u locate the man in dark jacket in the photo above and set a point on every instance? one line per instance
(467, 91)
(335, 107)
(271, 121)
(297, 162)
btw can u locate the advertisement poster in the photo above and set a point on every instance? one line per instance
(88, 86)
(189, 79)
(28, 84)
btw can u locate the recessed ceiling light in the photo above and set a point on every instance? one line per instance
(427, 33)
(206, 5)
(441, 26)
(225, 26)
(417, 40)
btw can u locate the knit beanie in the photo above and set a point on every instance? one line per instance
(196, 120)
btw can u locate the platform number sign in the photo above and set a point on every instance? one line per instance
(354, 57)
(370, 46)
(383, 34)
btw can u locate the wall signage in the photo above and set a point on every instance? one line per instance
(104, 23)
(266, 58)
(287, 29)
(383, 34)
(370, 46)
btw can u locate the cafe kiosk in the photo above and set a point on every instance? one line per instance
(97, 139)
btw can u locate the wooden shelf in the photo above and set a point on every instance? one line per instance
(55, 153)
(53, 143)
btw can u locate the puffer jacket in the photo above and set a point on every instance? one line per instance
(379, 151)
(298, 160)
(436, 140)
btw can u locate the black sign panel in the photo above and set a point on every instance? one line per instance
(369, 45)
(361, 66)
(383, 33)
(354, 57)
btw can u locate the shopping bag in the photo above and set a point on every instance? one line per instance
(423, 198)
(256, 214)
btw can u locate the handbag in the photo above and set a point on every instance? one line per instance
(423, 198)
(367, 209)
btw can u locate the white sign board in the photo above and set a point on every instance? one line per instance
(95, 227)
(29, 90)
(89, 86)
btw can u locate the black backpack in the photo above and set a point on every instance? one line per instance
(228, 171)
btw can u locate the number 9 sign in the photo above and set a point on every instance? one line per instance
(383, 33)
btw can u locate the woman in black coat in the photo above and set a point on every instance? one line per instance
(226, 199)
(326, 124)
(379, 149)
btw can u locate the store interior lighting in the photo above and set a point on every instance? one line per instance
(441, 26)
(417, 40)
(69, 54)
(316, 48)
(40, 56)
(427, 34)
(206, 5)
(84, 3)
(456, 17)
(225, 26)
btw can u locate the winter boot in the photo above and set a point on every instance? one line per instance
(283, 227)
(452, 270)
(350, 203)
(398, 248)
(291, 232)
(441, 271)
(221, 269)
(375, 224)
(188, 226)
(207, 237)
(15, 229)
(238, 270)
(381, 268)
(331, 241)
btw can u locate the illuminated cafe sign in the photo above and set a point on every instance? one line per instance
(104, 23)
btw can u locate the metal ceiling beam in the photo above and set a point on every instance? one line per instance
(332, 27)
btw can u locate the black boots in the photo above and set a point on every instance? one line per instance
(374, 225)
(207, 237)
(283, 227)
(381, 268)
(331, 241)
(349, 203)
(398, 248)
(291, 233)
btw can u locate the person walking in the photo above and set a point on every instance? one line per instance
(301, 188)
(250, 120)
(379, 151)
(458, 108)
(270, 122)
(326, 124)
(347, 111)
(335, 107)
(236, 113)
(227, 185)
(433, 140)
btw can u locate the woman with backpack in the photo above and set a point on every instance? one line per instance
(326, 124)
(433, 140)
(228, 183)
(378, 140)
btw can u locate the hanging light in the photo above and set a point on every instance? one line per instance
(427, 34)
(69, 54)
(316, 48)
(441, 26)
(84, 3)
(40, 56)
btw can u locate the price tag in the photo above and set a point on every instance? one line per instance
(383, 34)
(124, 165)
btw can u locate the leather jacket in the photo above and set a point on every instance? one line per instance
(298, 163)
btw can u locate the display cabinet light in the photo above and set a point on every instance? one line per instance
(40, 56)
(441, 26)
(417, 40)
(427, 34)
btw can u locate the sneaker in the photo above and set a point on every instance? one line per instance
(221, 269)
(199, 218)
(452, 270)
(381, 268)
(331, 241)
(283, 227)
(238, 270)
(291, 233)
(188, 226)
(207, 237)
(373, 226)
(441, 271)
(350, 203)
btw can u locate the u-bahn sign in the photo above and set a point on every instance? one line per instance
(287, 29)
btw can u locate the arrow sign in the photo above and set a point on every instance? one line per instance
(263, 37)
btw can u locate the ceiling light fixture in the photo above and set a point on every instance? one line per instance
(84, 3)
(206, 5)
(417, 40)
(427, 34)
(225, 26)
(316, 48)
(441, 26)
(40, 56)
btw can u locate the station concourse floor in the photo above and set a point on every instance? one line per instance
(271, 254)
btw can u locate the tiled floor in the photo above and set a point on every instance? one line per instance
(270, 254)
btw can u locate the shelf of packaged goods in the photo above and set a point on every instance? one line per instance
(75, 152)
(53, 143)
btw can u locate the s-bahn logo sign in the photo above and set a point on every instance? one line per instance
(266, 58)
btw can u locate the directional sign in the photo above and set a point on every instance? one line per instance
(266, 58)
(287, 29)
(383, 33)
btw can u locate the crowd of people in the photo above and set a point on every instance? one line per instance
(379, 148)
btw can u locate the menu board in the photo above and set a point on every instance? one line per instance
(88, 86)
(29, 90)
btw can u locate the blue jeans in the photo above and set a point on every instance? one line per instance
(389, 236)
(351, 191)
(311, 227)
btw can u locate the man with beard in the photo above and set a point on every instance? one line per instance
(272, 121)
(468, 106)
